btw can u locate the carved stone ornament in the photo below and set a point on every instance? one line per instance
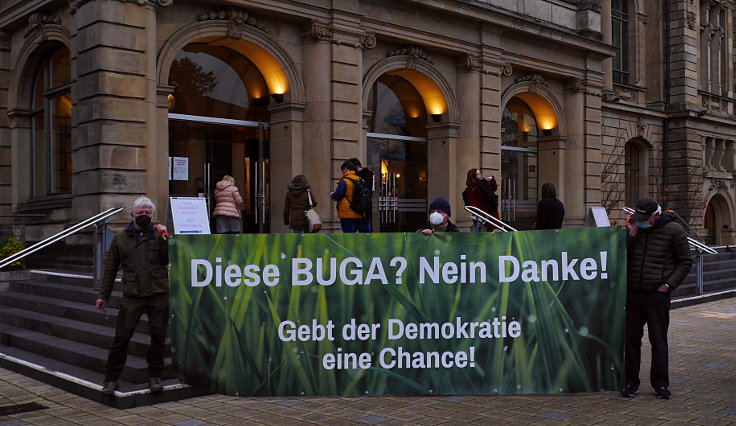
(237, 19)
(153, 4)
(507, 70)
(414, 53)
(470, 63)
(577, 85)
(690, 19)
(38, 22)
(641, 127)
(368, 41)
(317, 31)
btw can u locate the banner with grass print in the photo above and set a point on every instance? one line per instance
(399, 313)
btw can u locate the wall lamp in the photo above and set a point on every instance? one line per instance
(547, 132)
(277, 97)
(436, 117)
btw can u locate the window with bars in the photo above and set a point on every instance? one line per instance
(620, 40)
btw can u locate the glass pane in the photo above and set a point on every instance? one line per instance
(510, 128)
(38, 90)
(40, 155)
(215, 81)
(61, 70)
(61, 144)
(398, 109)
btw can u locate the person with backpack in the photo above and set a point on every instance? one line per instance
(351, 198)
(480, 192)
(367, 176)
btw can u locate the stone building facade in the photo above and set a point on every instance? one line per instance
(104, 100)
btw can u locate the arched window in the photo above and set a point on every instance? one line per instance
(635, 173)
(713, 37)
(519, 162)
(620, 35)
(51, 126)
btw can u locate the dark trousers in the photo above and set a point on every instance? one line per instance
(131, 308)
(652, 309)
(350, 225)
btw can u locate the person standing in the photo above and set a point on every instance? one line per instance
(550, 210)
(367, 175)
(297, 203)
(658, 261)
(142, 251)
(480, 192)
(439, 218)
(228, 204)
(350, 220)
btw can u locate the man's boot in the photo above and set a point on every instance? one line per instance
(109, 388)
(155, 384)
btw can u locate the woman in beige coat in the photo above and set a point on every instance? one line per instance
(228, 204)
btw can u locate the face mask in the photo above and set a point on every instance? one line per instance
(143, 220)
(644, 225)
(436, 218)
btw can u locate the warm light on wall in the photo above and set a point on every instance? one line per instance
(270, 68)
(543, 111)
(434, 99)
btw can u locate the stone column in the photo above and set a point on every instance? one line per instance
(114, 136)
(683, 70)
(6, 199)
(552, 155)
(287, 156)
(575, 185)
(606, 30)
(468, 131)
(441, 163)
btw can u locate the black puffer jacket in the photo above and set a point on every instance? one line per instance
(658, 255)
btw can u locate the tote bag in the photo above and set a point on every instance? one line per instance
(314, 224)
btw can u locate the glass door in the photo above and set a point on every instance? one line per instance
(400, 164)
(201, 153)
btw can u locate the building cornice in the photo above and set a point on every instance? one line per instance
(151, 4)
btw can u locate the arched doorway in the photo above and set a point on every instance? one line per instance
(401, 102)
(717, 218)
(218, 122)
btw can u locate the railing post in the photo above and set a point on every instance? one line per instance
(97, 259)
(699, 274)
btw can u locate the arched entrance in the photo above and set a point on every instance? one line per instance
(218, 122)
(527, 120)
(717, 219)
(401, 104)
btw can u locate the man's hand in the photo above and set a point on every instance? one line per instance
(663, 289)
(100, 304)
(427, 232)
(631, 226)
(161, 229)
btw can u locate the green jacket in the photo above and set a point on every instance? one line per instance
(144, 256)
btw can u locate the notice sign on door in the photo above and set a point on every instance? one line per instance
(190, 215)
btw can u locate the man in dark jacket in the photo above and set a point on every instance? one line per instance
(366, 224)
(142, 250)
(658, 261)
(439, 218)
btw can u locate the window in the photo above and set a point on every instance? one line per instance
(633, 169)
(51, 119)
(620, 34)
(713, 37)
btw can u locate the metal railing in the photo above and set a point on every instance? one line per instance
(682, 222)
(693, 242)
(100, 217)
(484, 217)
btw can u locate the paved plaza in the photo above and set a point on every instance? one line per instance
(702, 373)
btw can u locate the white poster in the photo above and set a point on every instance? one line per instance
(181, 168)
(190, 215)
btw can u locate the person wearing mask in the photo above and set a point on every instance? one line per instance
(143, 252)
(658, 261)
(480, 193)
(350, 220)
(367, 175)
(550, 210)
(296, 203)
(228, 204)
(439, 218)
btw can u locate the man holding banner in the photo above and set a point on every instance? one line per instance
(658, 261)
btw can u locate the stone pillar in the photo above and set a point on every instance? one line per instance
(574, 187)
(287, 156)
(316, 50)
(468, 131)
(6, 199)
(114, 136)
(685, 173)
(683, 70)
(606, 30)
(441, 165)
(552, 163)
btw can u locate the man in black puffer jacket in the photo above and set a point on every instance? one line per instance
(658, 261)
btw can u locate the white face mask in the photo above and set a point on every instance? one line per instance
(436, 218)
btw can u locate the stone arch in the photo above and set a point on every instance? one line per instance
(34, 50)
(723, 207)
(219, 28)
(399, 62)
(531, 86)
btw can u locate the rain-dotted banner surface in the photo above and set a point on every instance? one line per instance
(400, 314)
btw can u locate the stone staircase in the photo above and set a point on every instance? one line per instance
(719, 279)
(51, 330)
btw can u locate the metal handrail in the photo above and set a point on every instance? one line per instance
(693, 242)
(59, 236)
(682, 221)
(484, 217)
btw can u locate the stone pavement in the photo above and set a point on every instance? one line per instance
(702, 373)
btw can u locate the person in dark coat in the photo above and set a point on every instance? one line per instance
(296, 204)
(367, 176)
(550, 210)
(480, 192)
(658, 260)
(439, 218)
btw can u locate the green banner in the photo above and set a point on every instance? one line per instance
(400, 314)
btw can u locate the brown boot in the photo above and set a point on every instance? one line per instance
(109, 388)
(154, 383)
